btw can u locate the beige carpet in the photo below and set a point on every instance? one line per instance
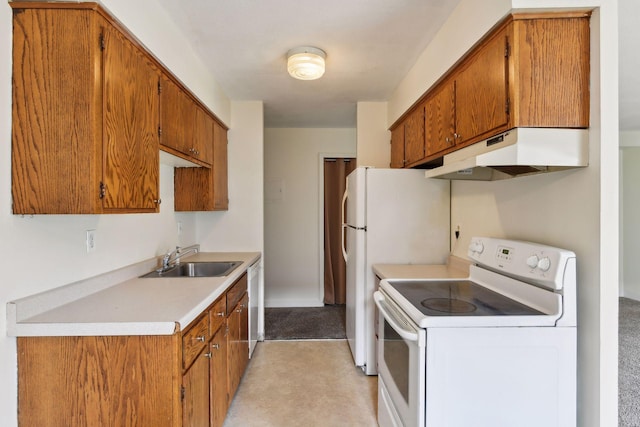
(304, 383)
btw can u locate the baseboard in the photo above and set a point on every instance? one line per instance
(278, 303)
(631, 295)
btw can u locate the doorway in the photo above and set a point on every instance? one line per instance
(335, 174)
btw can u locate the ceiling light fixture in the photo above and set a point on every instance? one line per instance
(306, 63)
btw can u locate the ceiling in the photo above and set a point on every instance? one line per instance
(370, 45)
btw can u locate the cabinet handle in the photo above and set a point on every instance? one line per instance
(220, 314)
(447, 140)
(208, 355)
(216, 346)
(157, 201)
(457, 135)
(200, 338)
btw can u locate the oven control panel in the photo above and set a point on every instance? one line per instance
(529, 261)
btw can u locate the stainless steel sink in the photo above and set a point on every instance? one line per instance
(197, 269)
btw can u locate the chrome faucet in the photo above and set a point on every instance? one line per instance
(173, 257)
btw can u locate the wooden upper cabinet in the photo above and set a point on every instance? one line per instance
(204, 189)
(481, 91)
(397, 147)
(204, 128)
(187, 128)
(414, 136)
(549, 71)
(220, 169)
(177, 119)
(440, 117)
(131, 156)
(531, 71)
(84, 117)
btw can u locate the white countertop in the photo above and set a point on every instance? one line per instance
(456, 268)
(135, 306)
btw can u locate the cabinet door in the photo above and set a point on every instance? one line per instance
(131, 115)
(177, 117)
(56, 111)
(397, 147)
(204, 139)
(414, 136)
(195, 383)
(238, 344)
(440, 119)
(220, 170)
(219, 396)
(481, 92)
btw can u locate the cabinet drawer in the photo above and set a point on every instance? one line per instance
(235, 293)
(194, 339)
(217, 314)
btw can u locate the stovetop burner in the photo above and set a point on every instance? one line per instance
(458, 298)
(448, 305)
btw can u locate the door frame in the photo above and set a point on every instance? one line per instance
(321, 159)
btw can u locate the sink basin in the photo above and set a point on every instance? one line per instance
(197, 269)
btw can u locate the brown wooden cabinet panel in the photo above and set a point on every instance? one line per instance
(99, 381)
(481, 91)
(195, 383)
(550, 72)
(397, 147)
(204, 139)
(177, 118)
(57, 108)
(204, 189)
(238, 345)
(440, 119)
(219, 395)
(414, 136)
(85, 114)
(220, 169)
(131, 156)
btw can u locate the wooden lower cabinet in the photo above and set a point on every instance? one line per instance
(219, 394)
(238, 344)
(137, 380)
(195, 400)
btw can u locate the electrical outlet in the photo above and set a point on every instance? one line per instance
(91, 241)
(179, 225)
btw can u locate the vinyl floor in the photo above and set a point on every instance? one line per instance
(304, 383)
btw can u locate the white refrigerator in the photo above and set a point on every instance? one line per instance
(393, 216)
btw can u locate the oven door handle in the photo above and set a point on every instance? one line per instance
(409, 335)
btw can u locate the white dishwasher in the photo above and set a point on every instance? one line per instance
(256, 306)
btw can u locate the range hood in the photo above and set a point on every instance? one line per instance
(517, 152)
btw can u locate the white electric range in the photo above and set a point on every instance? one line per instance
(495, 349)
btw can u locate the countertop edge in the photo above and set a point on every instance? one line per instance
(20, 311)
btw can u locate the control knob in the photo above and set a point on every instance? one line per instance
(544, 264)
(532, 261)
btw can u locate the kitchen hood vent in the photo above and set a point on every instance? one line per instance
(517, 152)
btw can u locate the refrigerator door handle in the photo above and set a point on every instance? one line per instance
(344, 225)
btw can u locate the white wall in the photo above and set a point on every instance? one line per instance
(373, 138)
(43, 252)
(575, 209)
(292, 169)
(629, 214)
(241, 227)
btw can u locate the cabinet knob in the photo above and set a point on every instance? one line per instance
(220, 314)
(157, 201)
(200, 338)
(457, 135)
(216, 346)
(208, 355)
(448, 140)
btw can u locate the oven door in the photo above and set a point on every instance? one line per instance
(401, 366)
